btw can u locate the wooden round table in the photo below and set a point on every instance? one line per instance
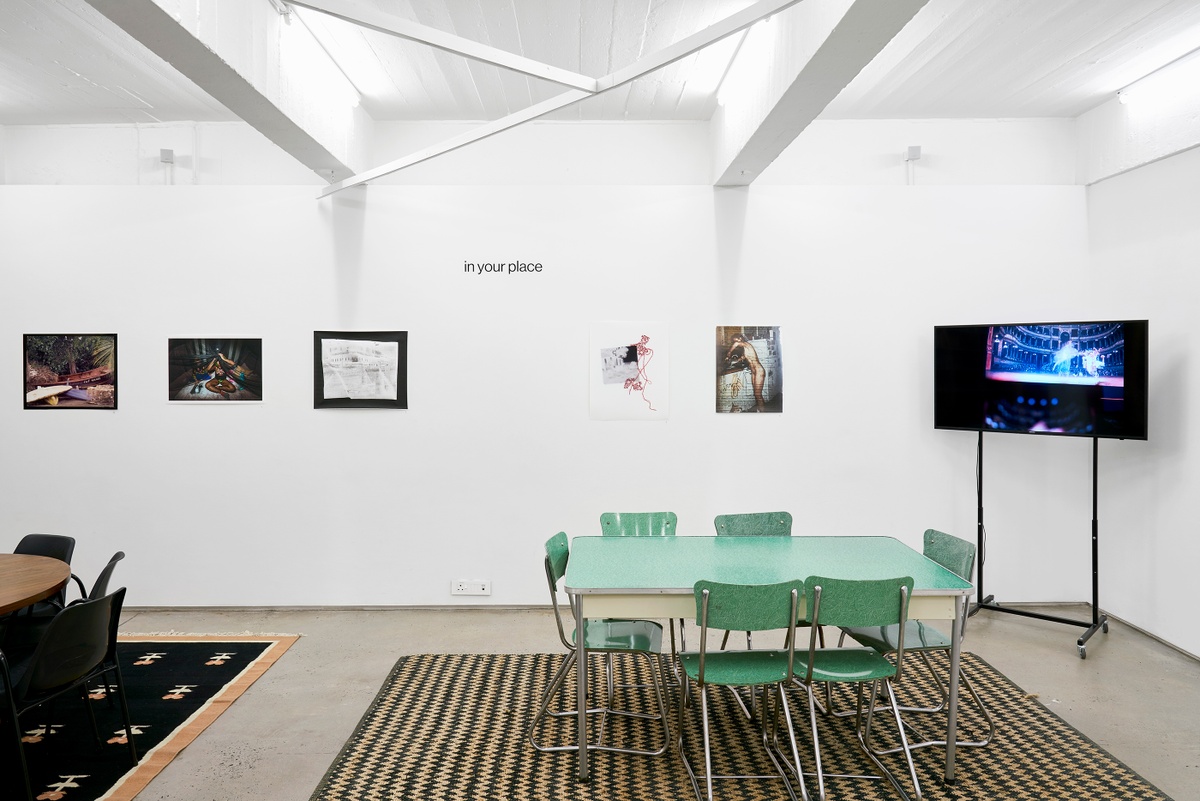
(28, 579)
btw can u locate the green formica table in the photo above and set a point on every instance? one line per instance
(652, 577)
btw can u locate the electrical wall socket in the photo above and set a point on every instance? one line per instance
(470, 587)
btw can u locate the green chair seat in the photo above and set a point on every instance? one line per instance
(738, 668)
(917, 637)
(851, 665)
(608, 634)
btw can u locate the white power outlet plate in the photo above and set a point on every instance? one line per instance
(470, 587)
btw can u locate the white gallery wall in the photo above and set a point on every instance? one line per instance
(280, 504)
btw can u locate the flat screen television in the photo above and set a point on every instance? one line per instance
(1083, 379)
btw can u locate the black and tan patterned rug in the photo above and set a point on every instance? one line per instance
(177, 685)
(454, 727)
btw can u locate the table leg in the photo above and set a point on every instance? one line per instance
(952, 701)
(581, 676)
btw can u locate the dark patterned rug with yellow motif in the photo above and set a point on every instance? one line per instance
(455, 727)
(176, 686)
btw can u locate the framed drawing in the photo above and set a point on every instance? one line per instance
(749, 369)
(214, 369)
(629, 371)
(70, 371)
(360, 369)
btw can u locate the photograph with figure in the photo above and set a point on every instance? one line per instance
(749, 369)
(214, 369)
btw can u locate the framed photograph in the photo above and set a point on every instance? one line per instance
(221, 369)
(70, 371)
(749, 369)
(360, 369)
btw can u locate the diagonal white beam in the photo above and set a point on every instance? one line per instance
(246, 58)
(462, 140)
(815, 50)
(376, 20)
(681, 49)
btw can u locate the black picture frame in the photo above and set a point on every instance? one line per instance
(70, 371)
(349, 356)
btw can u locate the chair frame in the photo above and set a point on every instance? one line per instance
(556, 559)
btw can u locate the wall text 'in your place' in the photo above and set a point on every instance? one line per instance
(501, 267)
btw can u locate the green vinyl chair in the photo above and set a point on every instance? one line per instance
(744, 608)
(856, 603)
(610, 637)
(754, 524)
(644, 524)
(957, 556)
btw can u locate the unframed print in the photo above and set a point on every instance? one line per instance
(360, 368)
(749, 369)
(629, 371)
(70, 371)
(214, 370)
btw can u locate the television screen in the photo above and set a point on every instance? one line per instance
(1086, 379)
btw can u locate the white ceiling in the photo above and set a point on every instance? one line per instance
(63, 62)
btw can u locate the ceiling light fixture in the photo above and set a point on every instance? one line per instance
(1167, 83)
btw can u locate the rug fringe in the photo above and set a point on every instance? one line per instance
(174, 633)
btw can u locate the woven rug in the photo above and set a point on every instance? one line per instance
(177, 685)
(455, 727)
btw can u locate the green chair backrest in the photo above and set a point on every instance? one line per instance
(755, 524)
(556, 559)
(638, 524)
(952, 553)
(748, 607)
(855, 603)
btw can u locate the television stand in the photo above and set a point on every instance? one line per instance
(1099, 621)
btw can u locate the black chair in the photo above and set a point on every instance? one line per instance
(100, 585)
(24, 631)
(79, 644)
(56, 546)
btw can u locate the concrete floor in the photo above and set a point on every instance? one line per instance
(1137, 698)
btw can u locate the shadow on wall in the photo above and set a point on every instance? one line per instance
(729, 211)
(346, 214)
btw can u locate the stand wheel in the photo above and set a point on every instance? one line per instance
(1083, 652)
(1104, 627)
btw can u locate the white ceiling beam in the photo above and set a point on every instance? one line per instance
(812, 52)
(248, 58)
(382, 22)
(697, 41)
(681, 49)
